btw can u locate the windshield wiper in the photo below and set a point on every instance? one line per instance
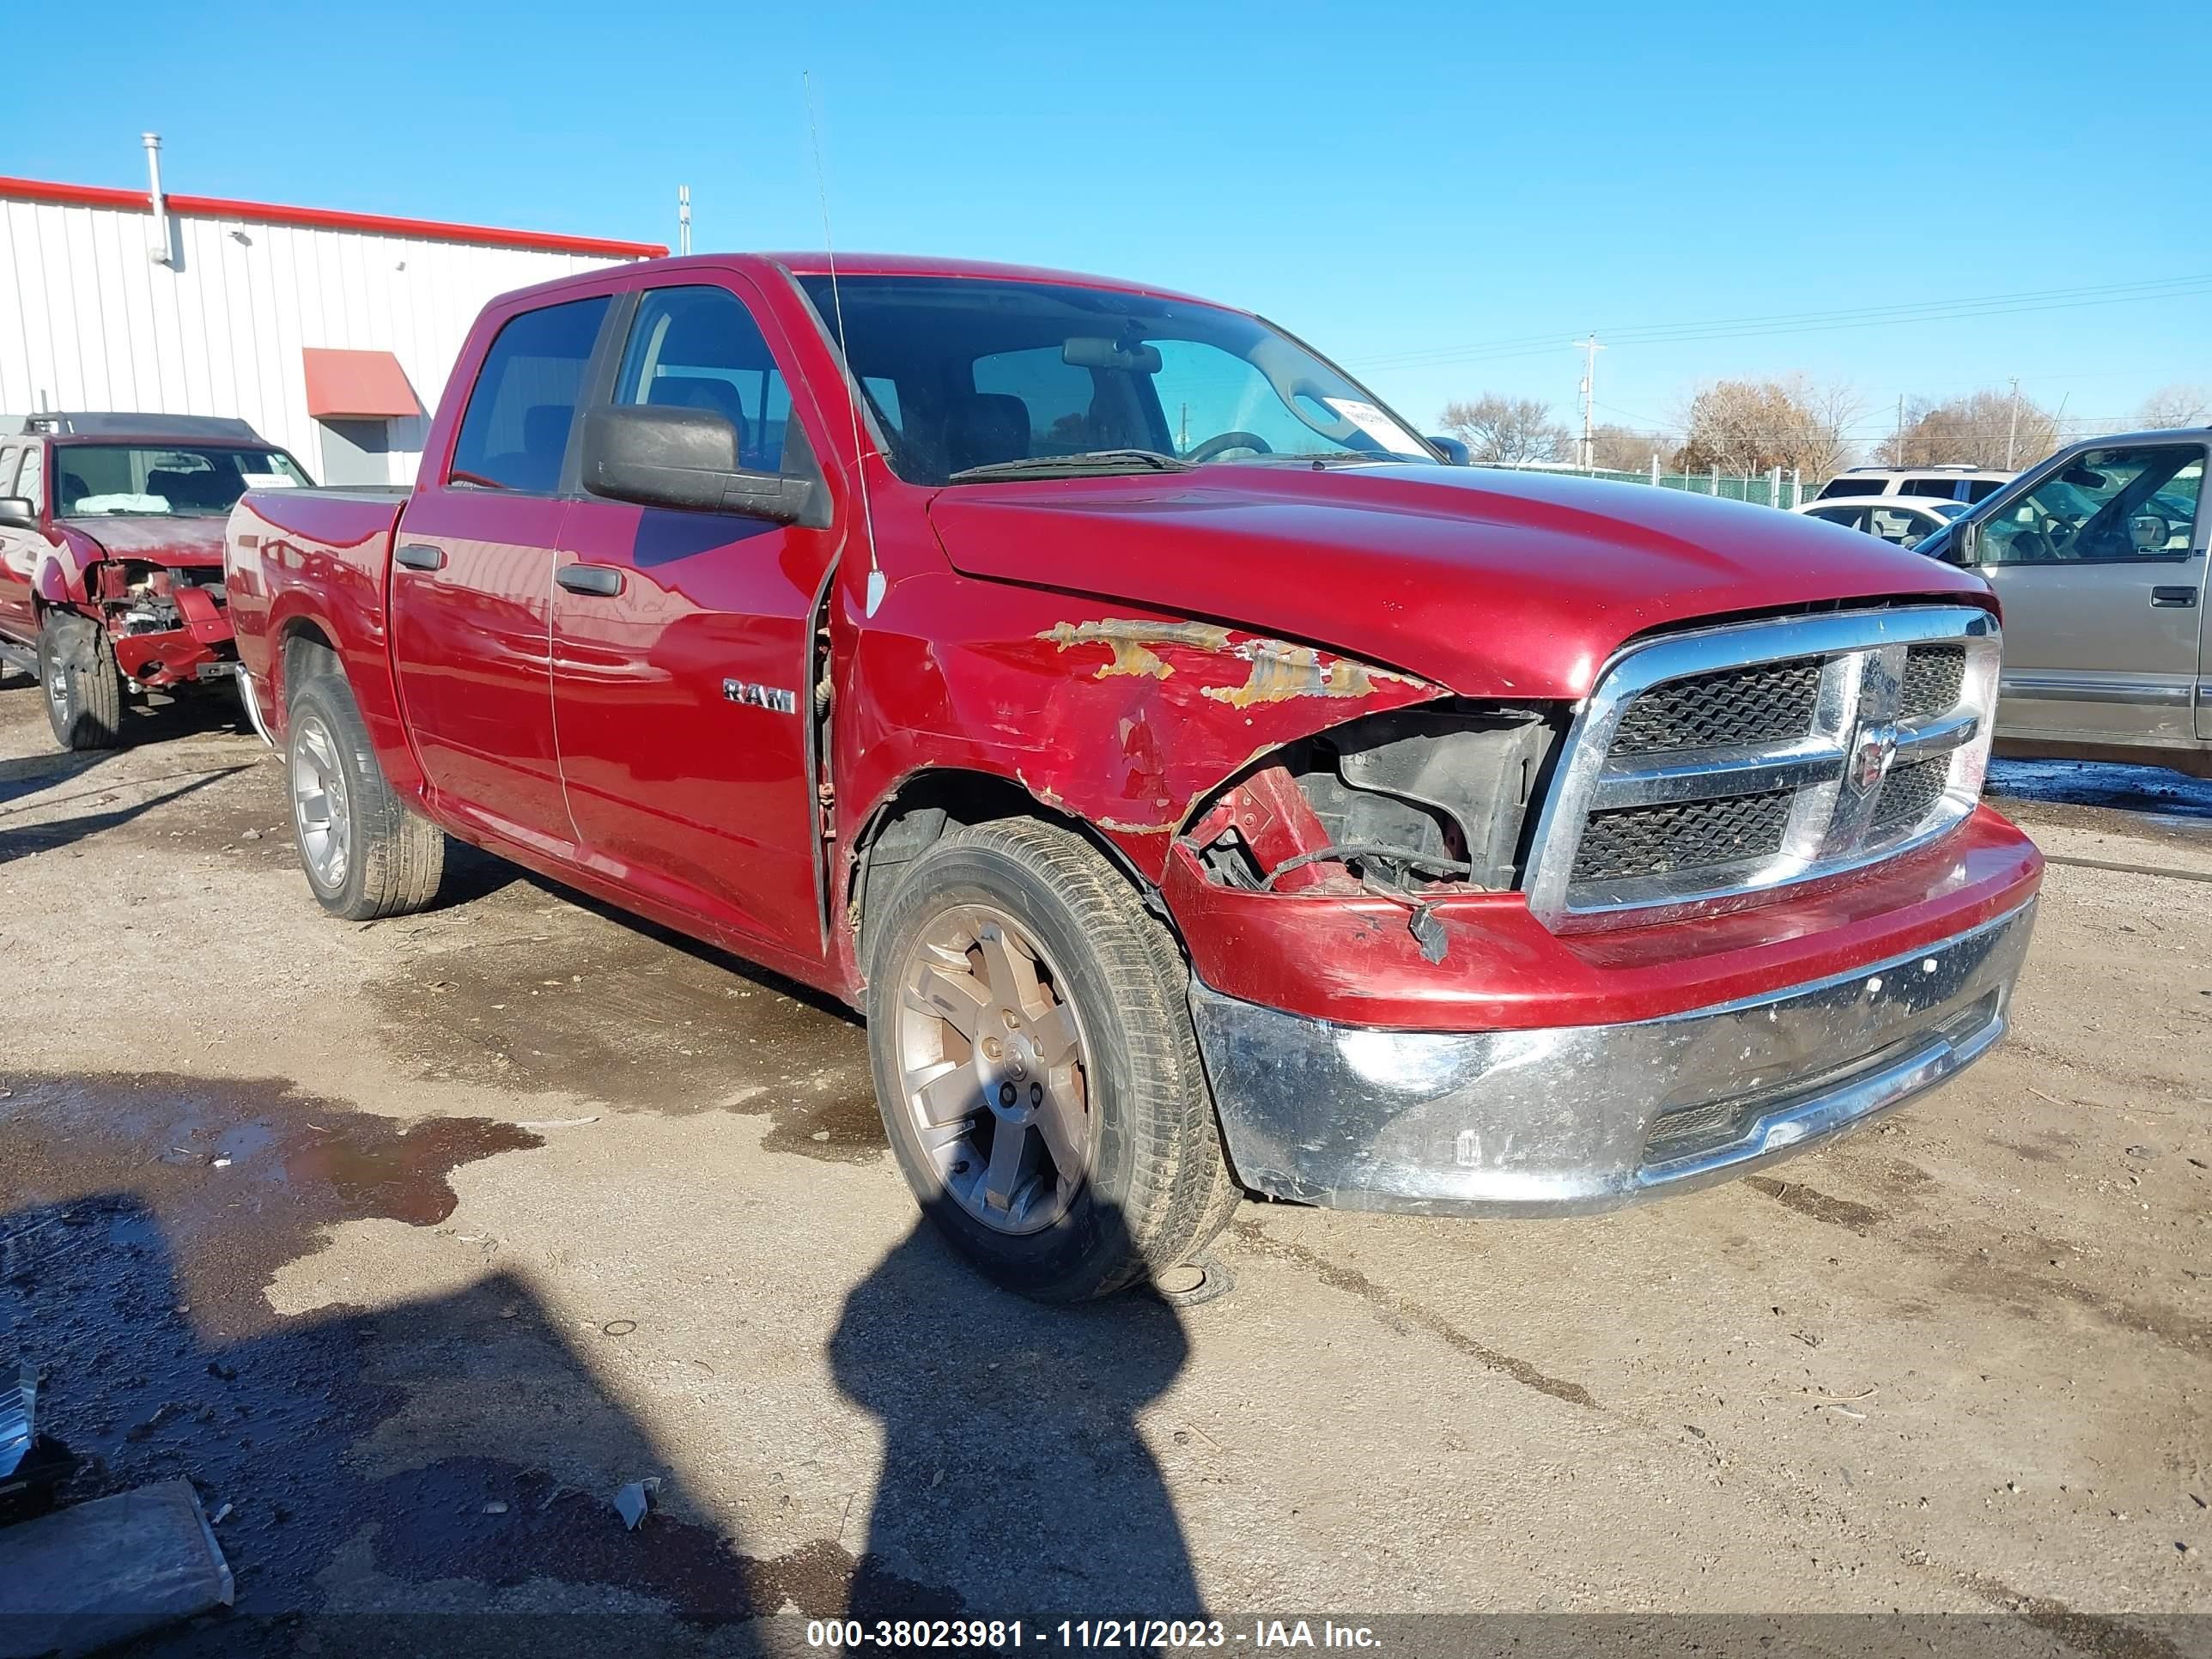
(1091, 463)
(1329, 459)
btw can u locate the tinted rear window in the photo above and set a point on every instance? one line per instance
(516, 431)
(1942, 489)
(1836, 487)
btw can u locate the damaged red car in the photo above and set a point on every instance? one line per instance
(1202, 789)
(111, 556)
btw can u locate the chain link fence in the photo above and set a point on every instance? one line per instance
(1772, 488)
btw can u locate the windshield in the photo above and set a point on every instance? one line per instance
(173, 481)
(972, 378)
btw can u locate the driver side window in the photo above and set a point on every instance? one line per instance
(2109, 505)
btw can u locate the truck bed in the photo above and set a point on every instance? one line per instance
(316, 559)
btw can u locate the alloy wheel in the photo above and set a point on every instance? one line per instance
(993, 1069)
(319, 803)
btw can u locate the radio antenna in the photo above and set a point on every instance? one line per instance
(852, 380)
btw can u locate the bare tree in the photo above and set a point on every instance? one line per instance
(1623, 449)
(1500, 429)
(1750, 425)
(1992, 427)
(2177, 405)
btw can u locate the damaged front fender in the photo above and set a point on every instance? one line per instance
(1127, 721)
(1184, 707)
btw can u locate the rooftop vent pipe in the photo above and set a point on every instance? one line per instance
(164, 250)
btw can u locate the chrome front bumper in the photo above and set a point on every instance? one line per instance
(1591, 1117)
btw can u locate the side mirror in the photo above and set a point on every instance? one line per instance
(1456, 453)
(1956, 543)
(2149, 533)
(16, 512)
(686, 458)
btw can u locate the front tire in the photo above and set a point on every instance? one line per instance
(364, 854)
(84, 686)
(1035, 1066)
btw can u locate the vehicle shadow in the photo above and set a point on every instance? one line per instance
(766, 978)
(19, 840)
(435, 1473)
(30, 774)
(1015, 1472)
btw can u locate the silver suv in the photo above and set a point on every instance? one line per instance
(1949, 481)
(2098, 556)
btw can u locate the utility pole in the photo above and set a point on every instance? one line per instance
(1897, 443)
(683, 218)
(1589, 349)
(2012, 433)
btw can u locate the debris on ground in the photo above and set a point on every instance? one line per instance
(95, 1574)
(32, 1465)
(633, 1501)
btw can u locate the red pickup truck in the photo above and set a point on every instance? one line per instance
(1201, 789)
(111, 556)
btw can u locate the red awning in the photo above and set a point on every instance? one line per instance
(356, 385)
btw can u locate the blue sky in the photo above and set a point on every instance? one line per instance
(1400, 185)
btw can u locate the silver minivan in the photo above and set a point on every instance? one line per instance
(2098, 555)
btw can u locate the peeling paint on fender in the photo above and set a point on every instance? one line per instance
(1132, 643)
(1280, 673)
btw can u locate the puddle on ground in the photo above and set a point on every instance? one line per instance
(2146, 802)
(239, 1175)
(144, 1217)
(579, 1001)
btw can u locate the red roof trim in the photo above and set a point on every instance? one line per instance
(270, 213)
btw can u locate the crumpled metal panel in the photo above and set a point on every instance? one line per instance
(18, 1422)
(1561, 1121)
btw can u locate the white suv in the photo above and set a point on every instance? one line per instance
(1958, 483)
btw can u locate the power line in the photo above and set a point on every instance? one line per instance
(1818, 322)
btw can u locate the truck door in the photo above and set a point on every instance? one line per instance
(2099, 565)
(681, 642)
(20, 548)
(473, 581)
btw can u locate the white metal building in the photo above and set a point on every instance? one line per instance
(332, 332)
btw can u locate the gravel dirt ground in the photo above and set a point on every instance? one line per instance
(411, 1242)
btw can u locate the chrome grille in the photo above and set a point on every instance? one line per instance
(1760, 704)
(1691, 834)
(1711, 766)
(1932, 675)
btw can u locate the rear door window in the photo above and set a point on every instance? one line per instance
(514, 435)
(1980, 489)
(1940, 488)
(1836, 487)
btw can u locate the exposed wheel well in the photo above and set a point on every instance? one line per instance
(929, 806)
(303, 650)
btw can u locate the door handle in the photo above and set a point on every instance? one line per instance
(2173, 597)
(604, 579)
(420, 555)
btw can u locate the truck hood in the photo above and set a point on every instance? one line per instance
(1492, 584)
(154, 538)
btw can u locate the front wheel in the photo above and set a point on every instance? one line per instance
(1035, 1066)
(365, 854)
(84, 686)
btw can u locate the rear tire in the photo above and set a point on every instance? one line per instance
(364, 854)
(84, 686)
(1018, 985)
